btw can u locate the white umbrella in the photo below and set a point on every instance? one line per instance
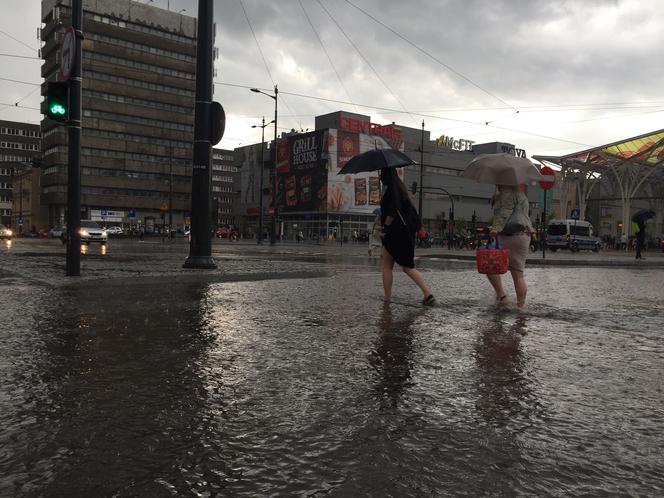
(502, 169)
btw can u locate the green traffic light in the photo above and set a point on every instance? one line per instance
(58, 109)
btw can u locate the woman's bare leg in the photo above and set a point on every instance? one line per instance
(497, 284)
(520, 287)
(418, 279)
(388, 266)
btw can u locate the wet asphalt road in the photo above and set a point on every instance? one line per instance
(313, 387)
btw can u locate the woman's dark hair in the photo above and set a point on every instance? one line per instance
(389, 178)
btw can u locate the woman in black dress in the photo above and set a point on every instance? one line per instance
(397, 215)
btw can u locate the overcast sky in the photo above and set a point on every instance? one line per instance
(580, 73)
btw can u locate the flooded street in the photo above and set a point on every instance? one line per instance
(314, 387)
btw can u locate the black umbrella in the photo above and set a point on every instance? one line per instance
(376, 159)
(643, 215)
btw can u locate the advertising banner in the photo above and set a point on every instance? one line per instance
(358, 193)
(302, 172)
(249, 159)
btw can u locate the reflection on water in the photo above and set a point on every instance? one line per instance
(116, 387)
(392, 354)
(307, 388)
(502, 384)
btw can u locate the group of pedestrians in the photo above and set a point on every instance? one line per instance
(398, 223)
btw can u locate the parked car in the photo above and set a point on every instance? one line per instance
(114, 231)
(90, 232)
(6, 233)
(221, 232)
(56, 232)
(43, 232)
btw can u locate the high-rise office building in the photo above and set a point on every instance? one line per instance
(137, 113)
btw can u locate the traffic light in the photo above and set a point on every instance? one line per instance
(413, 188)
(57, 101)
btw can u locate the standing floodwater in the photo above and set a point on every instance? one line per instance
(312, 387)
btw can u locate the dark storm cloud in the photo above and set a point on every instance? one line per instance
(523, 52)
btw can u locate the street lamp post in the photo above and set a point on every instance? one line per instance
(273, 235)
(260, 195)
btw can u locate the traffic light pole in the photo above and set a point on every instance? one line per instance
(73, 262)
(200, 245)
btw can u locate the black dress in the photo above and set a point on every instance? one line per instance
(398, 241)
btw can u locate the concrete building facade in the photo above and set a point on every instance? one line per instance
(315, 200)
(223, 196)
(19, 144)
(138, 110)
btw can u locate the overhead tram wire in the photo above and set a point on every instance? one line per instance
(366, 61)
(17, 40)
(21, 82)
(475, 123)
(326, 52)
(267, 67)
(20, 57)
(378, 108)
(446, 66)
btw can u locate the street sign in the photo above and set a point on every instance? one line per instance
(68, 54)
(20, 221)
(550, 178)
(575, 214)
(132, 213)
(104, 212)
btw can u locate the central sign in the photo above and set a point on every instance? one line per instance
(369, 128)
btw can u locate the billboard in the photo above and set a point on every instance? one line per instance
(302, 172)
(307, 166)
(358, 193)
(248, 160)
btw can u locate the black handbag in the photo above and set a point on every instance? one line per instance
(412, 220)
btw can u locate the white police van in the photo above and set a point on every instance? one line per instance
(574, 235)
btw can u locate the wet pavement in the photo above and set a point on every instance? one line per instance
(286, 375)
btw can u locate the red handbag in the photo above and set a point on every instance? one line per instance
(493, 261)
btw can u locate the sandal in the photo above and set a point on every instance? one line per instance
(502, 299)
(429, 300)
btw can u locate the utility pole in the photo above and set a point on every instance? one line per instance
(200, 245)
(421, 174)
(73, 261)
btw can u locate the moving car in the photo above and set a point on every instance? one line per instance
(574, 235)
(6, 233)
(56, 232)
(92, 232)
(114, 231)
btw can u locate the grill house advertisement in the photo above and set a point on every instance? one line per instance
(301, 172)
(307, 167)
